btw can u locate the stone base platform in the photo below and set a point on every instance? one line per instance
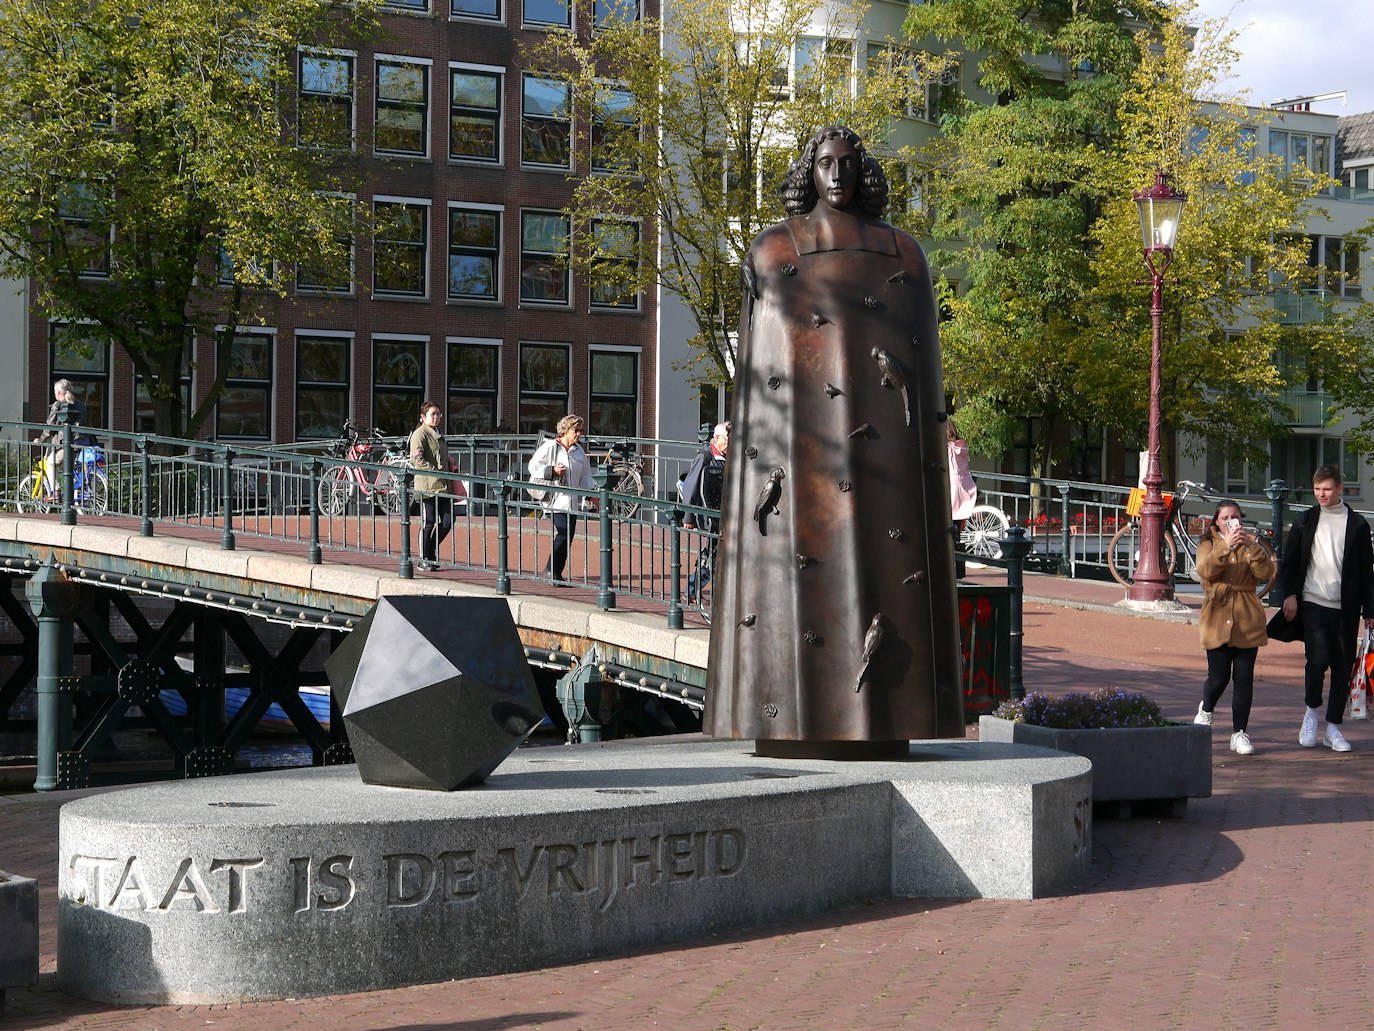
(309, 882)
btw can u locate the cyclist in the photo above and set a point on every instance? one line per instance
(429, 450)
(63, 399)
(701, 486)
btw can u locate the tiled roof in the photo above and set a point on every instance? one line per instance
(1354, 139)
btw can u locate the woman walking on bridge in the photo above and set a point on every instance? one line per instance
(1232, 566)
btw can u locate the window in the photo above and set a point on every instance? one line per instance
(76, 355)
(252, 272)
(474, 114)
(614, 131)
(545, 122)
(472, 385)
(548, 13)
(1342, 260)
(85, 237)
(487, 10)
(614, 402)
(1301, 153)
(400, 248)
(1292, 460)
(144, 420)
(825, 65)
(244, 410)
(615, 247)
(321, 384)
(319, 279)
(931, 93)
(474, 253)
(402, 107)
(606, 13)
(417, 6)
(398, 382)
(543, 386)
(544, 273)
(324, 105)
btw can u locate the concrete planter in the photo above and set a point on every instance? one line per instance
(18, 932)
(1135, 764)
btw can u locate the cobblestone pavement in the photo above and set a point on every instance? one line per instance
(1249, 912)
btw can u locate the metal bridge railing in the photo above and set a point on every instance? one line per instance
(628, 543)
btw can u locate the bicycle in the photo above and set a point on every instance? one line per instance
(626, 463)
(90, 485)
(1124, 550)
(983, 531)
(340, 482)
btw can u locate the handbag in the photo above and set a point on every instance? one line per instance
(1359, 680)
(539, 489)
(1281, 628)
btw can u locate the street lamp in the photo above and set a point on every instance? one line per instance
(1161, 207)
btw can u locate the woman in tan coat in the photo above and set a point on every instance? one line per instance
(1232, 566)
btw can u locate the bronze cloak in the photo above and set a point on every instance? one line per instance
(860, 536)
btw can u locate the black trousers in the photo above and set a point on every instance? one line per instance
(1235, 665)
(564, 530)
(1327, 648)
(436, 520)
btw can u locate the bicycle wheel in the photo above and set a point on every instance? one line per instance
(28, 496)
(385, 494)
(625, 480)
(334, 491)
(94, 496)
(983, 530)
(1123, 554)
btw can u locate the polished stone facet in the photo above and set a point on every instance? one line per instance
(435, 692)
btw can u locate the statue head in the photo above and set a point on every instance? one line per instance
(799, 194)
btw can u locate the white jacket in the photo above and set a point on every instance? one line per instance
(579, 474)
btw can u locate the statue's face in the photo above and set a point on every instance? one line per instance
(836, 173)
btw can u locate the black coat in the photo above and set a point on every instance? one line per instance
(1357, 571)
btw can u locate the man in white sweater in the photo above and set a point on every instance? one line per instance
(1327, 576)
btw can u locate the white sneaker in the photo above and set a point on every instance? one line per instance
(1203, 717)
(1334, 739)
(1307, 736)
(1240, 743)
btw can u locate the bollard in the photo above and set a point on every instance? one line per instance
(1015, 548)
(406, 570)
(315, 556)
(145, 526)
(68, 516)
(1277, 493)
(1065, 536)
(605, 597)
(675, 571)
(226, 541)
(503, 536)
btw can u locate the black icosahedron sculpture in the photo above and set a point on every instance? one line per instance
(435, 692)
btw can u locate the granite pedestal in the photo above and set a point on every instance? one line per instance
(309, 882)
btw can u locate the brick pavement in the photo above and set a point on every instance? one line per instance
(1248, 912)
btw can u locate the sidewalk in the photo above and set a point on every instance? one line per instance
(1250, 912)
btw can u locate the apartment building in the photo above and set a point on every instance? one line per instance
(464, 296)
(1344, 149)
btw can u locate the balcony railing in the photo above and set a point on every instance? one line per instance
(1309, 407)
(1300, 307)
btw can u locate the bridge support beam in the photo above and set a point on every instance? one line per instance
(54, 600)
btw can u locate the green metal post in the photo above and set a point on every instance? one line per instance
(145, 526)
(315, 556)
(502, 538)
(407, 567)
(53, 599)
(605, 597)
(226, 541)
(675, 571)
(1015, 548)
(1277, 493)
(68, 516)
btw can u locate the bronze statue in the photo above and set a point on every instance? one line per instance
(836, 622)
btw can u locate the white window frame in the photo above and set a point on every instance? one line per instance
(500, 211)
(421, 202)
(637, 299)
(499, 73)
(302, 52)
(495, 344)
(571, 139)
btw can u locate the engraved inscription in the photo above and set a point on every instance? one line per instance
(106, 882)
(326, 886)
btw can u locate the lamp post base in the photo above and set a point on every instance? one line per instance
(1155, 605)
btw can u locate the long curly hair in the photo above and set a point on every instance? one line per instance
(799, 187)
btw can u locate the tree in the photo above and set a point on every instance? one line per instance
(150, 182)
(694, 137)
(1035, 188)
